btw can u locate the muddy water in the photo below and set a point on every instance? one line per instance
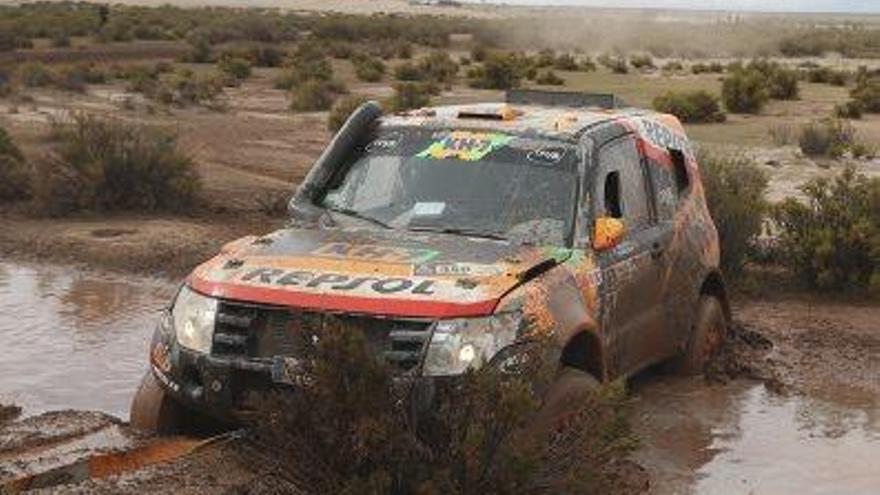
(740, 438)
(74, 339)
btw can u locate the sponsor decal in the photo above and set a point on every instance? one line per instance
(663, 137)
(338, 281)
(465, 146)
(385, 143)
(457, 269)
(374, 252)
(547, 156)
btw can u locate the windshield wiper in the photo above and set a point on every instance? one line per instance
(460, 231)
(360, 216)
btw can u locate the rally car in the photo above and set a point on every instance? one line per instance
(439, 232)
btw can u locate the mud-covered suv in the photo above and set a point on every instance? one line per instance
(438, 232)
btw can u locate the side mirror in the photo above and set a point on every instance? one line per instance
(607, 233)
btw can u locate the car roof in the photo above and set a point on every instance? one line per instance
(558, 122)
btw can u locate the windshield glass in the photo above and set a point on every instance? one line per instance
(462, 182)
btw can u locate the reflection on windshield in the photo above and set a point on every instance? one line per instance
(468, 183)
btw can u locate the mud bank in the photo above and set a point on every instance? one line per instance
(166, 246)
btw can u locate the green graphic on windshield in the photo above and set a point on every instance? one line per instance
(465, 146)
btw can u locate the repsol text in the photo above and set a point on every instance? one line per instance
(338, 281)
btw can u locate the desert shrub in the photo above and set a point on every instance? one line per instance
(59, 39)
(256, 54)
(499, 71)
(781, 82)
(238, 68)
(348, 428)
(13, 170)
(642, 62)
(744, 92)
(35, 75)
(710, 68)
(691, 107)
(479, 53)
(200, 49)
(827, 75)
(6, 87)
(410, 95)
(867, 95)
(587, 65)
(828, 138)
(315, 95)
(108, 165)
(849, 110)
(186, 88)
(833, 240)
(565, 61)
(306, 64)
(342, 109)
(368, 68)
(614, 63)
(549, 78)
(72, 79)
(438, 67)
(673, 66)
(735, 189)
(408, 71)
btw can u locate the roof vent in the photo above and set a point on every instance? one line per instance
(561, 99)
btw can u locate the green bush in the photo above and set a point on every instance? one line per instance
(867, 95)
(499, 71)
(587, 65)
(849, 110)
(368, 69)
(439, 67)
(614, 63)
(342, 109)
(744, 92)
(827, 75)
(13, 170)
(565, 61)
(691, 107)
(711, 68)
(315, 95)
(735, 189)
(642, 62)
(673, 66)
(351, 428)
(828, 138)
(236, 67)
(307, 63)
(113, 165)
(410, 95)
(35, 75)
(549, 78)
(833, 241)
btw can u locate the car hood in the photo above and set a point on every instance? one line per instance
(391, 273)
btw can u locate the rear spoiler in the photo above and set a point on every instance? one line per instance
(562, 99)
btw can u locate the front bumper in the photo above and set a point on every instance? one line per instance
(227, 388)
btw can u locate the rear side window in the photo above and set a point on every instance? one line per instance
(680, 171)
(621, 191)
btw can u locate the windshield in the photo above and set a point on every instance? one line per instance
(485, 184)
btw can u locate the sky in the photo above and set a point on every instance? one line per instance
(862, 6)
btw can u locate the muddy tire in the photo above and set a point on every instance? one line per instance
(707, 338)
(562, 397)
(154, 411)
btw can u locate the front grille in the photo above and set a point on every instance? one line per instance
(251, 331)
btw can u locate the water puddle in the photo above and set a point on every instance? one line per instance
(74, 339)
(741, 438)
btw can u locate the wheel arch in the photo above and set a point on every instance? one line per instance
(584, 351)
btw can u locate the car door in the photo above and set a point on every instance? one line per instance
(631, 303)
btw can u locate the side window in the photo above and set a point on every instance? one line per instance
(679, 168)
(620, 187)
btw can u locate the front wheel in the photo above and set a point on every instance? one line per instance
(562, 398)
(154, 411)
(707, 338)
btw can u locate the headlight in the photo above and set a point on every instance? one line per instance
(193, 316)
(457, 345)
